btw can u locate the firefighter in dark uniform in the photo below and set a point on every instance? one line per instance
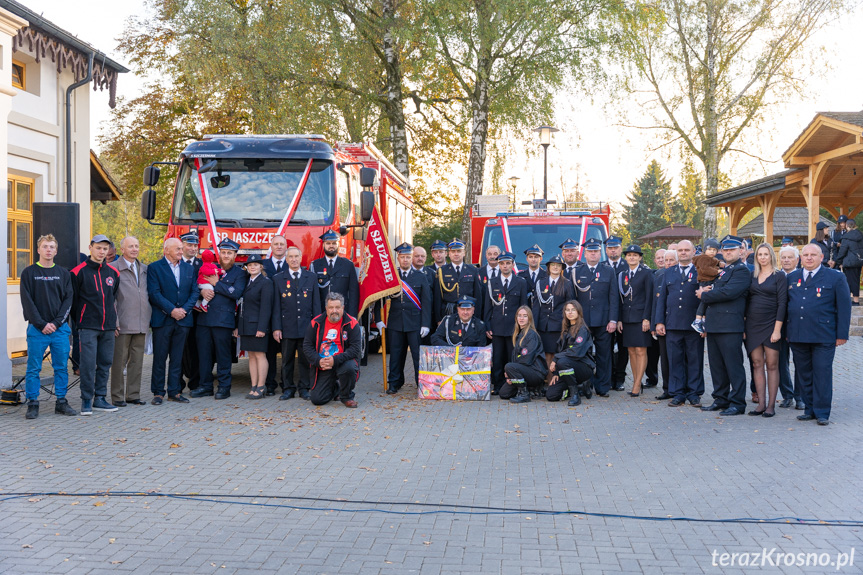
(569, 254)
(438, 254)
(191, 366)
(504, 294)
(613, 250)
(454, 280)
(596, 290)
(676, 305)
(298, 300)
(461, 328)
(725, 302)
(409, 319)
(337, 274)
(534, 271)
(819, 318)
(216, 326)
(526, 369)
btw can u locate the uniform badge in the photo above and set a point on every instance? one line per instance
(579, 339)
(109, 280)
(325, 271)
(344, 337)
(289, 284)
(817, 292)
(545, 290)
(524, 351)
(459, 333)
(289, 294)
(231, 289)
(799, 282)
(284, 295)
(626, 280)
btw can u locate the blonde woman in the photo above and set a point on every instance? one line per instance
(527, 366)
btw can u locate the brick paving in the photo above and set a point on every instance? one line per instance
(619, 455)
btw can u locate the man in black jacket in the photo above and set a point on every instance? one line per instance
(337, 274)
(850, 257)
(461, 328)
(95, 284)
(298, 300)
(333, 346)
(46, 299)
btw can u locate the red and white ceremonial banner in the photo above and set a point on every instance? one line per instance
(378, 277)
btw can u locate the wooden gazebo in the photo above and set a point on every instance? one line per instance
(825, 170)
(671, 234)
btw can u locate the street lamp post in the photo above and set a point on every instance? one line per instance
(545, 140)
(513, 182)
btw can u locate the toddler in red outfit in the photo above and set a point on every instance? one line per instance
(208, 270)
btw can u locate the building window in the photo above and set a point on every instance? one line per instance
(19, 78)
(19, 231)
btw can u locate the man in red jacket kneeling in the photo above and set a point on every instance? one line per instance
(333, 346)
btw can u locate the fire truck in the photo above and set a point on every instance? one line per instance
(251, 187)
(494, 221)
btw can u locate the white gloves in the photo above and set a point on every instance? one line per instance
(424, 331)
(381, 325)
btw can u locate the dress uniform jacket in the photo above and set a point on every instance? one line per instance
(636, 305)
(256, 307)
(404, 315)
(343, 279)
(617, 267)
(447, 288)
(548, 310)
(296, 302)
(820, 311)
(598, 294)
(726, 302)
(676, 302)
(531, 285)
(500, 306)
(450, 332)
(222, 308)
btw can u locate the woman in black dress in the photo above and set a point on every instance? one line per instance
(765, 313)
(549, 296)
(253, 323)
(574, 363)
(526, 368)
(636, 288)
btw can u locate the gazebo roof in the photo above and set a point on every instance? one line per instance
(792, 222)
(674, 231)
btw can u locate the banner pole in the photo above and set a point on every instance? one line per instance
(384, 355)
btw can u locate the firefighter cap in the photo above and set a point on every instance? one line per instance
(190, 238)
(456, 244)
(506, 257)
(534, 249)
(329, 235)
(555, 260)
(438, 245)
(466, 301)
(229, 244)
(404, 248)
(568, 244)
(613, 242)
(592, 244)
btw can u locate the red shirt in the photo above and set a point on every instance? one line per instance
(331, 344)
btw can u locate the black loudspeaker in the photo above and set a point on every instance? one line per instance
(63, 221)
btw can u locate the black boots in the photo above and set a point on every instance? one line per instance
(32, 409)
(574, 396)
(62, 407)
(523, 395)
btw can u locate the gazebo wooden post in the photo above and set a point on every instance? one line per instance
(816, 176)
(768, 207)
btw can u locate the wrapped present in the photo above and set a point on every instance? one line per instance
(455, 373)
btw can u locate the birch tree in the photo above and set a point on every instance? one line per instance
(707, 70)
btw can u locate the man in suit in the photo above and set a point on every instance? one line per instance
(670, 261)
(819, 318)
(534, 271)
(273, 265)
(454, 280)
(333, 345)
(172, 286)
(490, 270)
(676, 304)
(216, 326)
(191, 363)
(504, 294)
(409, 319)
(613, 251)
(792, 394)
(569, 253)
(597, 292)
(298, 300)
(724, 314)
(337, 274)
(462, 327)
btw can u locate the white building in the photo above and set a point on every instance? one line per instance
(39, 62)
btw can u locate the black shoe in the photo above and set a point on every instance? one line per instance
(32, 409)
(157, 400)
(823, 421)
(62, 407)
(631, 394)
(223, 394)
(648, 384)
(618, 387)
(392, 391)
(599, 393)
(289, 394)
(805, 417)
(587, 391)
(120, 404)
(768, 414)
(136, 402)
(800, 406)
(714, 407)
(756, 412)
(732, 411)
(523, 395)
(786, 402)
(665, 395)
(574, 400)
(675, 402)
(270, 391)
(201, 392)
(695, 402)
(178, 398)
(305, 395)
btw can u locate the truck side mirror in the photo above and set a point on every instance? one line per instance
(151, 176)
(367, 177)
(148, 201)
(367, 205)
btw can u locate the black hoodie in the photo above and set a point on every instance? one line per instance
(851, 252)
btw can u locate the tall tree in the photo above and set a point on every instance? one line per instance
(709, 69)
(689, 201)
(508, 57)
(648, 201)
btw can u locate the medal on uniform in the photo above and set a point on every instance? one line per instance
(289, 284)
(289, 294)
(799, 282)
(325, 271)
(626, 280)
(817, 292)
(284, 295)
(459, 333)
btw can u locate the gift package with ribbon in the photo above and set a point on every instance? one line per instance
(455, 373)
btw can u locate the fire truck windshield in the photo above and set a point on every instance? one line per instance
(256, 193)
(546, 236)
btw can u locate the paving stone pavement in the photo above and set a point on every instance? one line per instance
(618, 456)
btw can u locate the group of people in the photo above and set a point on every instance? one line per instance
(567, 328)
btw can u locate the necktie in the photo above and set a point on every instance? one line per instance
(457, 270)
(330, 267)
(592, 270)
(278, 266)
(631, 275)
(296, 275)
(404, 275)
(505, 284)
(551, 285)
(533, 277)
(808, 276)
(568, 271)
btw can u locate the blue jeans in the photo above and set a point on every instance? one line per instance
(37, 343)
